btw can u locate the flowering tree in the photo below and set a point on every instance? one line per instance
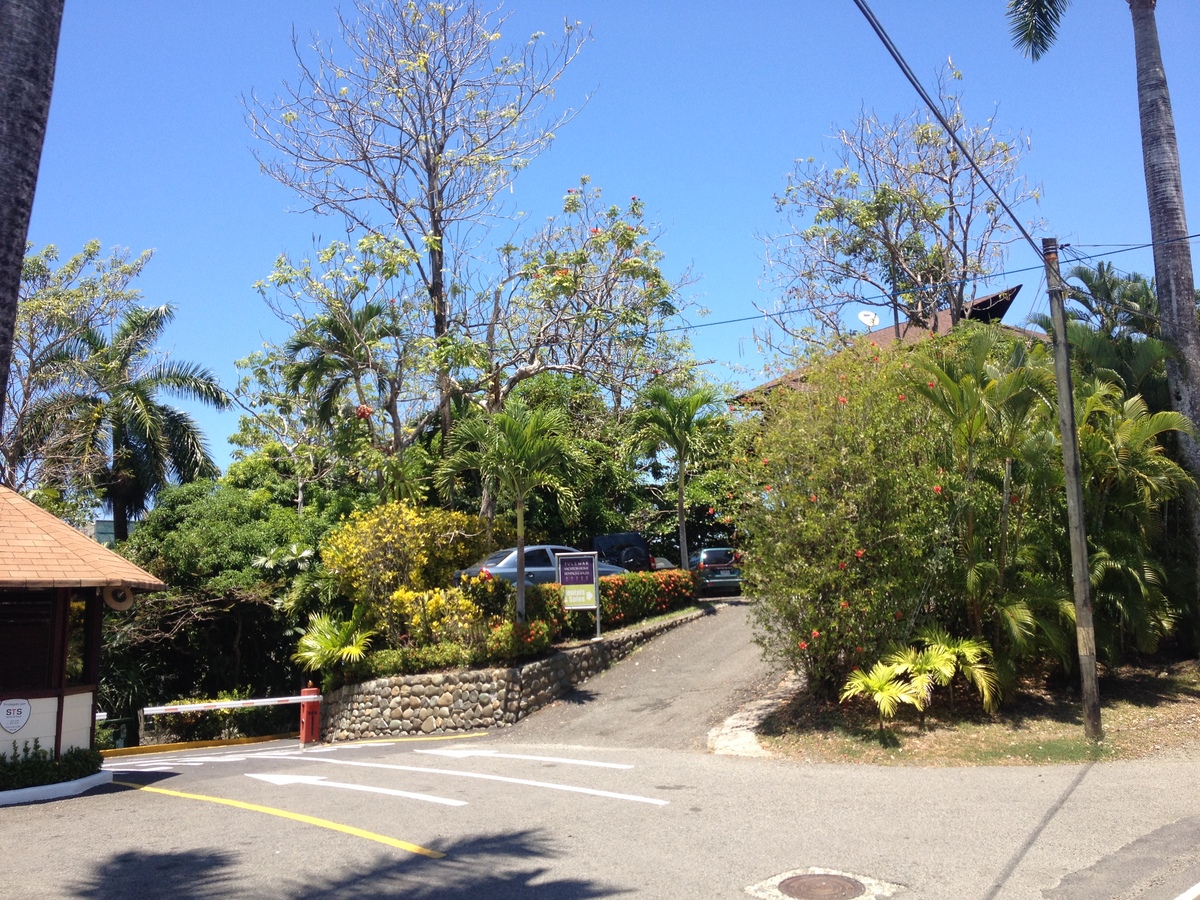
(844, 516)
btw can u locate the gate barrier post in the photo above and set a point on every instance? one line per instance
(310, 716)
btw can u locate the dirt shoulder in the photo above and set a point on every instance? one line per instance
(1148, 710)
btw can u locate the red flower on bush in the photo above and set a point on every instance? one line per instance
(937, 488)
(842, 400)
(902, 397)
(767, 488)
(363, 411)
(845, 605)
(804, 645)
(899, 615)
(841, 565)
(711, 511)
(816, 634)
(812, 498)
(932, 384)
(858, 649)
(858, 554)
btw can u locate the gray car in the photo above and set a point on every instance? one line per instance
(539, 564)
(718, 570)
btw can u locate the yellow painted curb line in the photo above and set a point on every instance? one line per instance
(295, 817)
(194, 745)
(410, 740)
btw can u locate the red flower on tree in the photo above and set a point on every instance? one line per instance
(841, 565)
(858, 554)
(937, 488)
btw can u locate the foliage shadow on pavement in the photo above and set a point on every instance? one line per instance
(182, 875)
(473, 867)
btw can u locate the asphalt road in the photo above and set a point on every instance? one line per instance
(609, 794)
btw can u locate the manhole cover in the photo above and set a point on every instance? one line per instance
(821, 887)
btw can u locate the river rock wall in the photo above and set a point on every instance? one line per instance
(449, 702)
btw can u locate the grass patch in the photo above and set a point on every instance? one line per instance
(1148, 709)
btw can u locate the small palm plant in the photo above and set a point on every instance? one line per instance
(885, 686)
(924, 667)
(969, 656)
(329, 642)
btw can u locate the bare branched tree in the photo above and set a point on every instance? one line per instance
(412, 128)
(584, 296)
(901, 222)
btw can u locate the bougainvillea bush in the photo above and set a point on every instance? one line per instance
(844, 515)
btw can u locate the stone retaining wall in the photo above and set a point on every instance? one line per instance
(446, 702)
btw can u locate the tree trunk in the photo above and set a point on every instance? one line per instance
(1168, 229)
(683, 548)
(520, 559)
(28, 46)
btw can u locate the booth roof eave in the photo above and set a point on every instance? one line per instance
(39, 550)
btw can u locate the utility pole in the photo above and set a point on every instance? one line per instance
(1085, 632)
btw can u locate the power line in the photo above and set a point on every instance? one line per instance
(937, 113)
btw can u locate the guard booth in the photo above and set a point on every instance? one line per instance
(54, 585)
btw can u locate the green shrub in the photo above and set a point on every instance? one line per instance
(626, 599)
(411, 660)
(515, 640)
(845, 516)
(32, 766)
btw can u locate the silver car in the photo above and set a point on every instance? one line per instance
(539, 564)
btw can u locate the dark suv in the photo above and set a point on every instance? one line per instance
(717, 570)
(628, 550)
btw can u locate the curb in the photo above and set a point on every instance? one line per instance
(738, 735)
(55, 791)
(143, 749)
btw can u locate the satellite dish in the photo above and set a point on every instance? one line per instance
(868, 318)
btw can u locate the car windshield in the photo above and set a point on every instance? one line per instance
(722, 557)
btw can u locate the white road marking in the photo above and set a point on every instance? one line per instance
(634, 798)
(492, 754)
(319, 781)
(1191, 894)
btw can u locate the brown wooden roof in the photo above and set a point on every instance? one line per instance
(39, 550)
(985, 309)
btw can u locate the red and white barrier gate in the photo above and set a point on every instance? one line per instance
(310, 710)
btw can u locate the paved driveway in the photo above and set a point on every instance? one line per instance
(571, 804)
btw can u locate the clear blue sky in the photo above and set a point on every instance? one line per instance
(699, 108)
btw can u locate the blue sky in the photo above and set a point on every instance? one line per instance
(699, 108)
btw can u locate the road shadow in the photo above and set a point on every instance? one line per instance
(478, 866)
(578, 696)
(185, 874)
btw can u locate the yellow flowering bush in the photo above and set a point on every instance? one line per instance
(441, 615)
(373, 554)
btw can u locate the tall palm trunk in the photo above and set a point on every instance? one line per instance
(683, 548)
(28, 46)
(1168, 229)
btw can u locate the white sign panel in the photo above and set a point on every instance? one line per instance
(13, 715)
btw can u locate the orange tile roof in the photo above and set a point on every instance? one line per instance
(39, 550)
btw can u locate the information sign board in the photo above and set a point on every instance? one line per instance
(578, 573)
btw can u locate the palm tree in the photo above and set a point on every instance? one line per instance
(515, 452)
(679, 422)
(131, 444)
(1034, 28)
(28, 47)
(885, 687)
